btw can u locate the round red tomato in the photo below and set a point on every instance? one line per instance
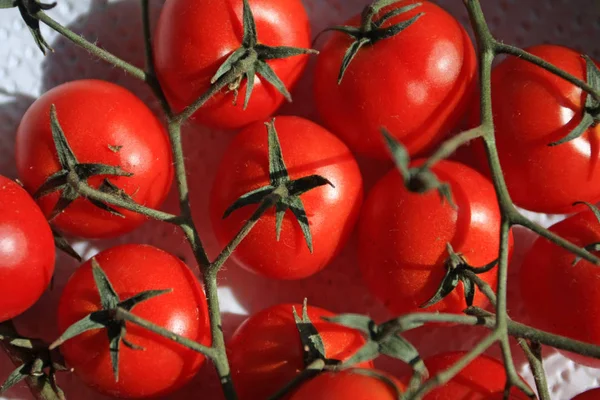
(105, 124)
(593, 394)
(348, 385)
(193, 38)
(558, 296)
(308, 149)
(26, 250)
(133, 269)
(403, 237)
(417, 84)
(266, 352)
(533, 108)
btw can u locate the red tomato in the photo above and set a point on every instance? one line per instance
(133, 269)
(560, 297)
(96, 116)
(533, 108)
(483, 379)
(193, 38)
(26, 250)
(417, 83)
(347, 385)
(266, 352)
(332, 211)
(593, 394)
(403, 237)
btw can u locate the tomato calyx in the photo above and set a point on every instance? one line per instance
(282, 192)
(63, 245)
(106, 319)
(593, 246)
(73, 173)
(312, 343)
(28, 10)
(591, 110)
(370, 32)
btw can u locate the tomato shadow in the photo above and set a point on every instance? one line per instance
(12, 108)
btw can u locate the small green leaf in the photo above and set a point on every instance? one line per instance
(278, 173)
(265, 70)
(93, 321)
(8, 3)
(228, 64)
(55, 182)
(469, 289)
(359, 322)
(397, 347)
(61, 243)
(280, 209)
(309, 336)
(386, 33)
(132, 346)
(88, 170)
(34, 25)
(106, 207)
(15, 377)
(447, 286)
(115, 334)
(67, 196)
(134, 300)
(307, 183)
(586, 122)
(297, 208)
(250, 36)
(250, 77)
(349, 56)
(65, 154)
(399, 154)
(252, 197)
(395, 12)
(108, 296)
(278, 52)
(369, 351)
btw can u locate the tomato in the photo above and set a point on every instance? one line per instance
(347, 385)
(558, 296)
(332, 211)
(26, 250)
(403, 237)
(104, 124)
(593, 394)
(193, 38)
(417, 84)
(266, 352)
(533, 108)
(133, 269)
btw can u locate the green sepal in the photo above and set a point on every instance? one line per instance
(8, 3)
(18, 375)
(263, 69)
(358, 322)
(63, 245)
(393, 13)
(28, 9)
(592, 208)
(591, 248)
(250, 38)
(312, 344)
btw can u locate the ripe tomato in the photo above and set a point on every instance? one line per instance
(347, 385)
(593, 394)
(26, 250)
(104, 124)
(332, 211)
(193, 38)
(417, 83)
(558, 296)
(483, 379)
(403, 237)
(133, 269)
(266, 352)
(533, 108)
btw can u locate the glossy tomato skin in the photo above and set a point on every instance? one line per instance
(593, 394)
(266, 352)
(193, 38)
(95, 115)
(26, 250)
(403, 237)
(533, 108)
(558, 296)
(332, 211)
(417, 84)
(133, 269)
(347, 385)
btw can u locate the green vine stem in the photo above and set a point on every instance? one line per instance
(533, 352)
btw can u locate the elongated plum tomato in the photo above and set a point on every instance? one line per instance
(349, 384)
(533, 108)
(193, 38)
(403, 237)
(558, 296)
(417, 84)
(163, 365)
(308, 149)
(593, 394)
(106, 124)
(26, 250)
(266, 352)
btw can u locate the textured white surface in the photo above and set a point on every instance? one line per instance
(115, 25)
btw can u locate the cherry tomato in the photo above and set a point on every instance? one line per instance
(348, 385)
(417, 83)
(332, 211)
(593, 394)
(193, 38)
(403, 238)
(26, 250)
(133, 269)
(533, 108)
(105, 124)
(558, 296)
(266, 352)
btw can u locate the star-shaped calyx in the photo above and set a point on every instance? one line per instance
(283, 192)
(73, 172)
(104, 318)
(28, 10)
(251, 59)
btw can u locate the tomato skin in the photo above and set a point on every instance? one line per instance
(533, 108)
(193, 38)
(347, 385)
(547, 271)
(593, 394)
(95, 115)
(403, 236)
(332, 211)
(26, 250)
(133, 269)
(431, 66)
(265, 352)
